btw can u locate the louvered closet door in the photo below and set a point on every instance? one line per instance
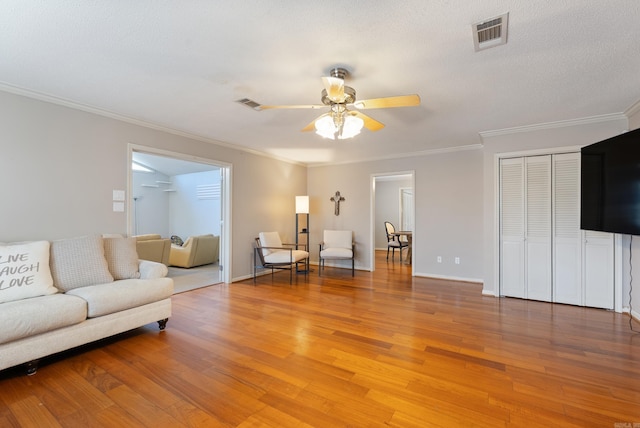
(512, 279)
(538, 228)
(598, 269)
(567, 251)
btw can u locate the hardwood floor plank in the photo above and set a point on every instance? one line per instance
(380, 349)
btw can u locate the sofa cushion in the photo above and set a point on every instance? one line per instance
(36, 315)
(103, 299)
(78, 262)
(24, 271)
(122, 257)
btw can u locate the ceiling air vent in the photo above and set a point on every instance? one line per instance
(250, 103)
(491, 32)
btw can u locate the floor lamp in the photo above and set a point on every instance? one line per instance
(302, 223)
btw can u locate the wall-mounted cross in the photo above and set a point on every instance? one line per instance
(337, 199)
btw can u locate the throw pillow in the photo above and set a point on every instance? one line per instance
(78, 262)
(176, 240)
(122, 257)
(24, 271)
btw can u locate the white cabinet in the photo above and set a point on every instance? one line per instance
(543, 253)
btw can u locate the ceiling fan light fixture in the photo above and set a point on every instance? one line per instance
(346, 126)
(352, 127)
(326, 128)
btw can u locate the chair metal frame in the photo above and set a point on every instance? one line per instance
(258, 255)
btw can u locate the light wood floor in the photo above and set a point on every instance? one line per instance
(382, 349)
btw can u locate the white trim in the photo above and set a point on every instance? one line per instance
(633, 109)
(226, 258)
(450, 278)
(554, 125)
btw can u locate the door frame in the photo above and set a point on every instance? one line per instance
(225, 262)
(372, 214)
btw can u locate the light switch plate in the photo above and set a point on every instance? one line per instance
(118, 195)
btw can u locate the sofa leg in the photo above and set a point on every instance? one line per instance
(162, 324)
(31, 367)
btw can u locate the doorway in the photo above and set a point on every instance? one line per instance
(181, 196)
(392, 199)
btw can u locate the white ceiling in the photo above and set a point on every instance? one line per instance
(183, 64)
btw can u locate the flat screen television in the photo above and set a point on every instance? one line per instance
(610, 185)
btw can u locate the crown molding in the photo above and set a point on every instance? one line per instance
(633, 109)
(403, 155)
(40, 96)
(552, 125)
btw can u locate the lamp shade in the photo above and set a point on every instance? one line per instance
(302, 204)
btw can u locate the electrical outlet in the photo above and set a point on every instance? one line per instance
(457, 260)
(439, 259)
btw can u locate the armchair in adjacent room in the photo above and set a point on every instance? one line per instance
(196, 251)
(153, 247)
(337, 245)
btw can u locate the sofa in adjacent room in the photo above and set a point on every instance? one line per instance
(62, 294)
(153, 247)
(196, 251)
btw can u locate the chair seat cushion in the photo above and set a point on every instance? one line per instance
(397, 244)
(283, 256)
(336, 253)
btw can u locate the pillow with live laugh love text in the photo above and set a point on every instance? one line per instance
(24, 271)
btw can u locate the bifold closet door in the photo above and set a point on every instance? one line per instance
(543, 253)
(525, 227)
(512, 278)
(567, 236)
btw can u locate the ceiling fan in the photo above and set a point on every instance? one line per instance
(341, 122)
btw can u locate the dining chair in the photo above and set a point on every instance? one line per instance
(393, 241)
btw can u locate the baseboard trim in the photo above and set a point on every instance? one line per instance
(449, 278)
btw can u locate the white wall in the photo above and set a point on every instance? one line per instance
(150, 205)
(191, 215)
(634, 123)
(448, 204)
(571, 135)
(59, 166)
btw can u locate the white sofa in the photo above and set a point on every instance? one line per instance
(58, 295)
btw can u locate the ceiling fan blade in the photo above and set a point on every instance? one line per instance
(369, 123)
(301, 106)
(335, 88)
(399, 101)
(312, 125)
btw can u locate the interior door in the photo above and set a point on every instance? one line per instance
(512, 261)
(538, 228)
(567, 237)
